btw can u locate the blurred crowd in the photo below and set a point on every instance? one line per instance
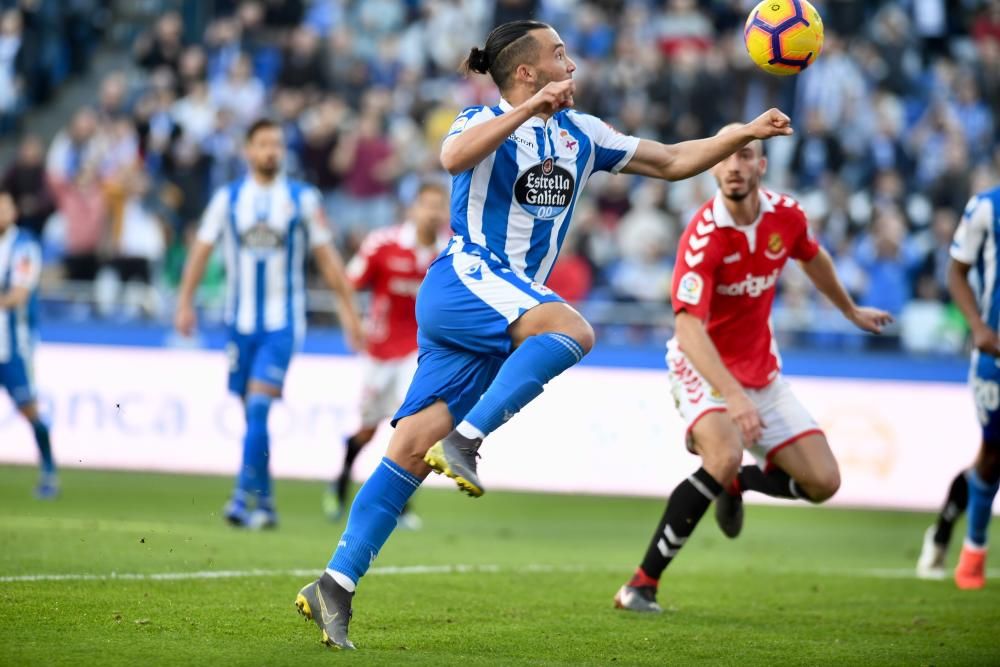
(897, 123)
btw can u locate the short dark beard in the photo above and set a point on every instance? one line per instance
(738, 196)
(267, 171)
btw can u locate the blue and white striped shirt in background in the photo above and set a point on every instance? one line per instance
(20, 266)
(267, 231)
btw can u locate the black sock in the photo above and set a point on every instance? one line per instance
(958, 500)
(775, 482)
(344, 481)
(685, 508)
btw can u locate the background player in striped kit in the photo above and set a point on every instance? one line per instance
(975, 245)
(268, 223)
(391, 263)
(20, 269)
(491, 335)
(724, 365)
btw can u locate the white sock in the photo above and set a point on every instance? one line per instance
(467, 430)
(342, 580)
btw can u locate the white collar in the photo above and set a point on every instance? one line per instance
(505, 106)
(721, 214)
(407, 237)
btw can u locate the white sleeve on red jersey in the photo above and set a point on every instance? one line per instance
(972, 230)
(694, 272)
(363, 266)
(317, 226)
(213, 220)
(805, 246)
(26, 265)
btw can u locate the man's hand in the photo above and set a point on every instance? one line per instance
(742, 411)
(872, 320)
(985, 340)
(554, 97)
(185, 319)
(771, 123)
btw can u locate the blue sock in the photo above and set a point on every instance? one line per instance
(522, 377)
(254, 478)
(980, 509)
(373, 517)
(44, 446)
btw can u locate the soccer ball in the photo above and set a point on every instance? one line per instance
(783, 36)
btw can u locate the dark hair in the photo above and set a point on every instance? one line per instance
(260, 124)
(508, 46)
(432, 186)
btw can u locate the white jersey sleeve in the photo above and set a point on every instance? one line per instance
(213, 220)
(612, 149)
(972, 230)
(315, 219)
(469, 118)
(26, 265)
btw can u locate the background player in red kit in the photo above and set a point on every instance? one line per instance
(724, 367)
(391, 263)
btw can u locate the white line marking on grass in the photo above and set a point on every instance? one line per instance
(403, 570)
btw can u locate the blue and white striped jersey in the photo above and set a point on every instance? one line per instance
(20, 266)
(267, 231)
(975, 244)
(518, 202)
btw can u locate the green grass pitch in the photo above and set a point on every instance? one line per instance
(802, 586)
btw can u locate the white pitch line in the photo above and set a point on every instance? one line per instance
(397, 570)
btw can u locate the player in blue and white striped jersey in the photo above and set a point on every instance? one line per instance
(269, 224)
(20, 269)
(491, 335)
(975, 247)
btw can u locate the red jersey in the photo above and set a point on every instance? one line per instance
(727, 275)
(392, 265)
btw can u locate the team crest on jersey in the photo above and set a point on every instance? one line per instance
(689, 288)
(775, 246)
(568, 141)
(262, 238)
(544, 190)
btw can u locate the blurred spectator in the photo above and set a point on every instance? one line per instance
(195, 113)
(303, 63)
(83, 214)
(25, 181)
(11, 69)
(240, 92)
(366, 161)
(73, 147)
(162, 46)
(884, 256)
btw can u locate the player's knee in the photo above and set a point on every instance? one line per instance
(823, 487)
(723, 462)
(582, 333)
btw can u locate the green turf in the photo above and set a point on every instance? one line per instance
(798, 588)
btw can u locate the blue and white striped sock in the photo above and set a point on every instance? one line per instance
(980, 510)
(520, 380)
(373, 517)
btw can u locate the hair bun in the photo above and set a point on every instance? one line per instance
(479, 61)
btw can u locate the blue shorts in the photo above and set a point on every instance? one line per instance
(263, 357)
(17, 378)
(465, 306)
(985, 380)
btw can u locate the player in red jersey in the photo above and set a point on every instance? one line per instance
(724, 366)
(391, 263)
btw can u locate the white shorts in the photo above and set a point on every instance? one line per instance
(384, 386)
(785, 418)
